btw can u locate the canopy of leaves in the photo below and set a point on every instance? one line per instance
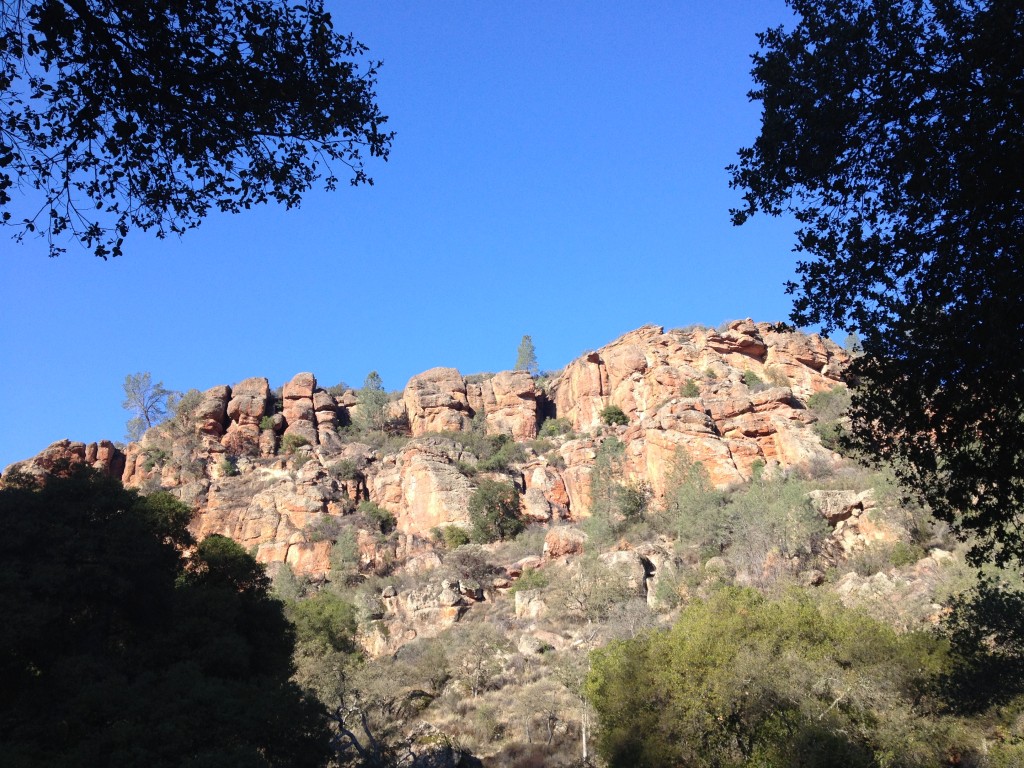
(121, 115)
(742, 680)
(894, 132)
(494, 511)
(123, 652)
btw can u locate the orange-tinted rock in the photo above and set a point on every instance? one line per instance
(211, 412)
(298, 407)
(102, 456)
(564, 540)
(248, 402)
(421, 486)
(510, 404)
(435, 401)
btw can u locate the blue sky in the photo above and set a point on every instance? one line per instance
(558, 171)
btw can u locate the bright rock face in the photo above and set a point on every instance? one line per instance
(436, 401)
(732, 400)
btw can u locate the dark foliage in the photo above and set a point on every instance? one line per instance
(121, 115)
(119, 651)
(894, 132)
(985, 627)
(494, 511)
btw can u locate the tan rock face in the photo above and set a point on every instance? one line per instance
(564, 540)
(102, 456)
(729, 427)
(436, 401)
(275, 502)
(298, 407)
(248, 403)
(422, 487)
(211, 413)
(510, 405)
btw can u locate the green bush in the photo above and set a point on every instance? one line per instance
(465, 468)
(267, 422)
(384, 520)
(338, 389)
(690, 389)
(754, 382)
(555, 427)
(345, 469)
(323, 528)
(155, 457)
(612, 415)
(831, 404)
(228, 467)
(289, 443)
(531, 579)
(494, 512)
(633, 498)
(743, 680)
(508, 453)
(450, 536)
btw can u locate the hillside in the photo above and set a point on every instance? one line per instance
(712, 472)
(265, 470)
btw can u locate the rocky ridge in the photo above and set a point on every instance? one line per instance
(271, 471)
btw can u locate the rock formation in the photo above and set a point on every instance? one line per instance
(732, 400)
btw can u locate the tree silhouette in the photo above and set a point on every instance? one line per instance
(121, 115)
(894, 132)
(126, 652)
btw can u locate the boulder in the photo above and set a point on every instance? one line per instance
(435, 401)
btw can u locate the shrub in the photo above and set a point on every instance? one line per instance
(267, 422)
(754, 382)
(509, 452)
(612, 415)
(554, 458)
(384, 520)
(540, 446)
(345, 469)
(338, 389)
(291, 442)
(633, 498)
(494, 512)
(830, 407)
(450, 536)
(155, 457)
(469, 563)
(323, 528)
(228, 467)
(690, 389)
(741, 680)
(555, 427)
(531, 579)
(465, 468)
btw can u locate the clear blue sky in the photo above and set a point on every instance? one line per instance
(558, 171)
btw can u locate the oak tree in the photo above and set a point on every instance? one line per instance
(894, 133)
(119, 115)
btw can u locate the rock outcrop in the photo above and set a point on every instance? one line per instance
(279, 475)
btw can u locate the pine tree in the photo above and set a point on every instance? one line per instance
(526, 360)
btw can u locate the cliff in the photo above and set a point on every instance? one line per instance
(274, 472)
